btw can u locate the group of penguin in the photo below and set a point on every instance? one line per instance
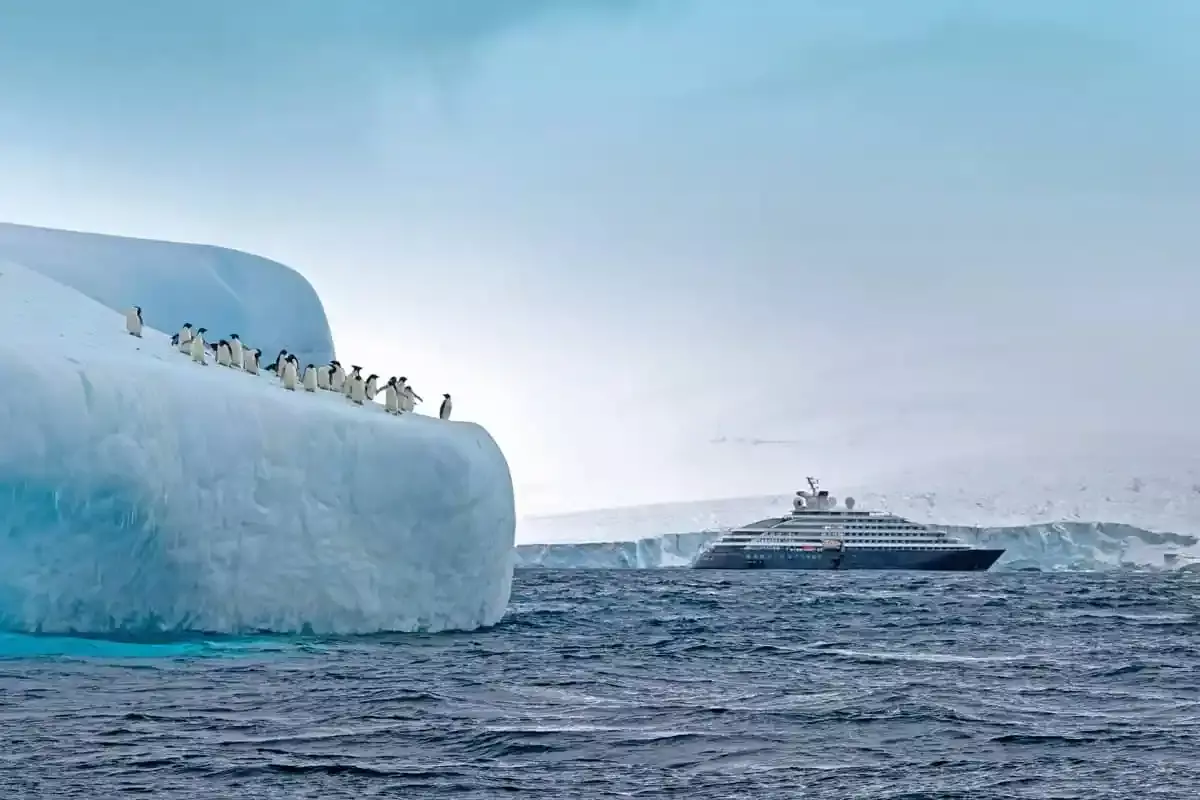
(399, 397)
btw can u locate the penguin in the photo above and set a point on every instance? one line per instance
(288, 375)
(401, 385)
(250, 360)
(370, 390)
(184, 338)
(133, 321)
(224, 353)
(323, 372)
(408, 396)
(174, 340)
(310, 378)
(355, 372)
(280, 360)
(391, 396)
(356, 389)
(236, 356)
(337, 378)
(444, 411)
(196, 345)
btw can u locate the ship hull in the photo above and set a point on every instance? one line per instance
(973, 560)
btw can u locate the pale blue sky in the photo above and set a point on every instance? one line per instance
(668, 249)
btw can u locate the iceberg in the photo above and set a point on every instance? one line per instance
(144, 494)
(262, 301)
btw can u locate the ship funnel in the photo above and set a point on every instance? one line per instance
(849, 503)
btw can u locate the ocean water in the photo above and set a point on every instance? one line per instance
(661, 683)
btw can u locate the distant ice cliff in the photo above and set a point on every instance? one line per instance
(1057, 546)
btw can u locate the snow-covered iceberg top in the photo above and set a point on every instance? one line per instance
(142, 492)
(225, 290)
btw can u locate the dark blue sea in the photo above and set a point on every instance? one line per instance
(656, 683)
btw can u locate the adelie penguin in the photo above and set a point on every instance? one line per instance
(337, 378)
(355, 373)
(323, 373)
(371, 389)
(288, 376)
(407, 395)
(280, 360)
(236, 357)
(309, 382)
(391, 396)
(133, 321)
(401, 387)
(444, 411)
(197, 346)
(355, 389)
(250, 360)
(183, 339)
(224, 353)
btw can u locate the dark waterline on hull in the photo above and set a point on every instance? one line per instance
(738, 558)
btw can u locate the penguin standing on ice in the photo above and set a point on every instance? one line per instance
(407, 395)
(183, 339)
(337, 378)
(356, 389)
(236, 357)
(288, 375)
(371, 389)
(280, 360)
(224, 353)
(444, 411)
(196, 345)
(401, 385)
(310, 378)
(133, 321)
(391, 396)
(355, 373)
(250, 360)
(323, 373)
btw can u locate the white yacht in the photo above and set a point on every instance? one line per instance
(818, 534)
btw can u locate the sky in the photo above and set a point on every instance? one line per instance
(670, 249)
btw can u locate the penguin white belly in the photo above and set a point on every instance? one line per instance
(358, 391)
(133, 323)
(370, 390)
(223, 356)
(236, 357)
(406, 400)
(310, 380)
(347, 387)
(337, 380)
(289, 377)
(323, 378)
(185, 341)
(251, 364)
(391, 400)
(446, 407)
(197, 349)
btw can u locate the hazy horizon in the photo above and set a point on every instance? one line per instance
(666, 251)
